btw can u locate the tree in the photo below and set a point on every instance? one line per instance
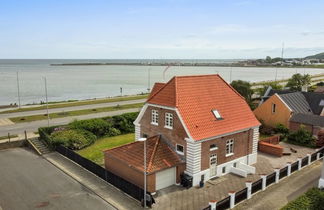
(297, 81)
(274, 85)
(244, 88)
(268, 59)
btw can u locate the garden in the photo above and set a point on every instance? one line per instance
(90, 137)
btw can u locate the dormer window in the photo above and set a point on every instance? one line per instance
(217, 114)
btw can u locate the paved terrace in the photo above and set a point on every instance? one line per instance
(177, 197)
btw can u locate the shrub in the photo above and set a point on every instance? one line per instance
(301, 137)
(313, 199)
(73, 139)
(124, 122)
(283, 130)
(99, 127)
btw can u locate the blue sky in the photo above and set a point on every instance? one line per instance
(160, 28)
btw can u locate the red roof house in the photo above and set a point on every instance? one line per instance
(205, 122)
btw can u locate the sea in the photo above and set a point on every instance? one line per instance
(76, 82)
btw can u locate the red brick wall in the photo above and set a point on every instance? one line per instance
(272, 140)
(180, 170)
(130, 174)
(175, 135)
(294, 126)
(271, 149)
(242, 146)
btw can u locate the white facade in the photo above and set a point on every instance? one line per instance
(321, 181)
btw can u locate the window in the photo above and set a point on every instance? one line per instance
(168, 120)
(234, 165)
(229, 147)
(180, 149)
(144, 135)
(217, 114)
(224, 170)
(273, 109)
(213, 147)
(155, 117)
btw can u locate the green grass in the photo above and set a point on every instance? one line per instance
(286, 80)
(95, 151)
(73, 113)
(6, 137)
(78, 103)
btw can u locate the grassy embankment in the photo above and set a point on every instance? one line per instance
(78, 103)
(74, 113)
(6, 137)
(95, 151)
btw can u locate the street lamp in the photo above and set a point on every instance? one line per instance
(144, 140)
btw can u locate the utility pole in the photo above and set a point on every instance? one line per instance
(282, 53)
(231, 75)
(46, 102)
(19, 104)
(149, 80)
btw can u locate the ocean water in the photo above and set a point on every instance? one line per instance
(99, 81)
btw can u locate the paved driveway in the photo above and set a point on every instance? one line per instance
(27, 181)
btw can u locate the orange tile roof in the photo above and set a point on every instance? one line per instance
(157, 86)
(159, 155)
(196, 97)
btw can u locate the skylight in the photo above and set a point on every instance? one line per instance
(321, 102)
(217, 115)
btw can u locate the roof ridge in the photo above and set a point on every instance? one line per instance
(176, 91)
(153, 154)
(165, 84)
(230, 86)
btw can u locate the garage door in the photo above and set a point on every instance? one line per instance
(165, 178)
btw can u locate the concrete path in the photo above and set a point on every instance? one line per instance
(5, 121)
(278, 195)
(33, 126)
(106, 191)
(71, 108)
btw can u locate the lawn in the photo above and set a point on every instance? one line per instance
(94, 152)
(6, 137)
(73, 113)
(78, 103)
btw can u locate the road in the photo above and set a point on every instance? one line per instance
(278, 195)
(28, 181)
(71, 108)
(33, 126)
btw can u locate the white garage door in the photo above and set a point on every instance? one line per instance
(165, 178)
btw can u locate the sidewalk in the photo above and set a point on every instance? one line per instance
(104, 190)
(278, 195)
(20, 137)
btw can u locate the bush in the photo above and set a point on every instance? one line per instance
(73, 139)
(283, 130)
(301, 137)
(99, 127)
(313, 199)
(124, 122)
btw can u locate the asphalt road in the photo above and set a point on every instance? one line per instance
(72, 108)
(28, 181)
(278, 195)
(33, 126)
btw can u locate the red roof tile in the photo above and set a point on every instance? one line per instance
(157, 86)
(159, 155)
(196, 97)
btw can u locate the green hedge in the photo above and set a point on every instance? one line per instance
(80, 134)
(313, 199)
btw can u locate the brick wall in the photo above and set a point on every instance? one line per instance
(272, 149)
(294, 126)
(175, 135)
(130, 174)
(242, 146)
(272, 140)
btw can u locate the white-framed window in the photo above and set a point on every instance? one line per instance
(180, 149)
(168, 120)
(273, 108)
(217, 114)
(155, 117)
(213, 147)
(229, 147)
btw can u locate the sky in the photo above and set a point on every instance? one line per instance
(160, 29)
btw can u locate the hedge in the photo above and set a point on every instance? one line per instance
(80, 134)
(313, 199)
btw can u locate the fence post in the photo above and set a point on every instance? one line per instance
(288, 168)
(264, 180)
(212, 204)
(9, 136)
(309, 159)
(318, 155)
(232, 199)
(25, 135)
(299, 163)
(277, 170)
(248, 185)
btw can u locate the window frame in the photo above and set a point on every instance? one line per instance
(180, 152)
(216, 114)
(154, 116)
(229, 149)
(168, 121)
(213, 148)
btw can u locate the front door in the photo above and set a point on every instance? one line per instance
(213, 164)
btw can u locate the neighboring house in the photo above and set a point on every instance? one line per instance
(292, 109)
(204, 121)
